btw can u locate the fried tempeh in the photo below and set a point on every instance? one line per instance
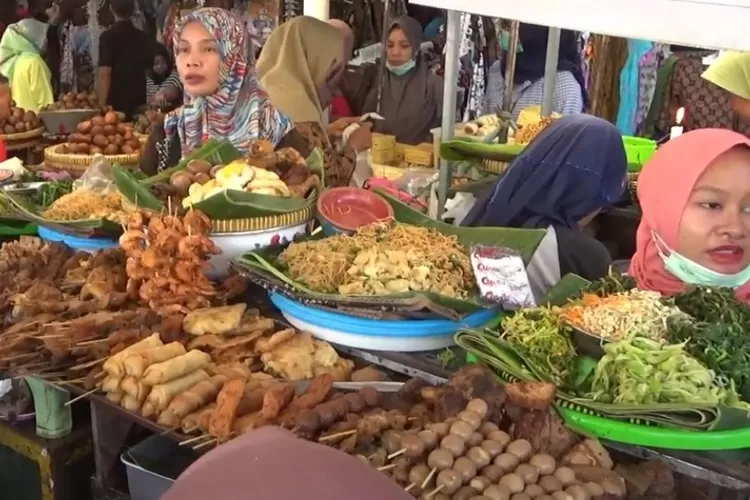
(317, 391)
(191, 423)
(227, 401)
(274, 401)
(197, 396)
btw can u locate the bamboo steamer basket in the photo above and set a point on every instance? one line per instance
(77, 164)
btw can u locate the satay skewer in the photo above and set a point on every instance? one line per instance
(193, 440)
(337, 435)
(81, 396)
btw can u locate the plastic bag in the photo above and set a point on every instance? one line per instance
(97, 177)
(362, 170)
(458, 207)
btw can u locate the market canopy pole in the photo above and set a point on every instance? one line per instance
(550, 70)
(452, 45)
(317, 8)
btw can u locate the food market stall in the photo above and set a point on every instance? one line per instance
(675, 21)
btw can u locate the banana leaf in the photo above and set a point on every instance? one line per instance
(264, 262)
(235, 204)
(510, 364)
(461, 150)
(134, 191)
(24, 210)
(524, 241)
(212, 151)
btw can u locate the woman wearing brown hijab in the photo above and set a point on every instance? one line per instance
(300, 67)
(272, 464)
(412, 96)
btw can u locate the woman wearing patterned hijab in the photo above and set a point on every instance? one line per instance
(223, 98)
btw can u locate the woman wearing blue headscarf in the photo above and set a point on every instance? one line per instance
(561, 181)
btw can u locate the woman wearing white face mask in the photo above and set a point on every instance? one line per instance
(412, 95)
(695, 229)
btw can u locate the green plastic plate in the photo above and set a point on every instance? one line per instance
(655, 437)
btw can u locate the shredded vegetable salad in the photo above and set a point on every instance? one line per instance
(622, 315)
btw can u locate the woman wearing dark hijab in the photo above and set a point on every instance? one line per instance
(528, 80)
(272, 463)
(163, 85)
(561, 181)
(412, 95)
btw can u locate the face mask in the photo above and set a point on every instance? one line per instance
(505, 42)
(692, 273)
(403, 69)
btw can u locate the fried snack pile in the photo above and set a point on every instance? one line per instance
(381, 259)
(165, 267)
(527, 133)
(85, 204)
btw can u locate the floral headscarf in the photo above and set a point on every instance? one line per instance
(239, 111)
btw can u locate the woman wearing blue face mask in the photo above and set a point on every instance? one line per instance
(412, 95)
(695, 228)
(528, 80)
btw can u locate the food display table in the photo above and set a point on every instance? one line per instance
(727, 472)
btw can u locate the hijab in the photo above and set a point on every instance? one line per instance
(161, 50)
(295, 65)
(27, 36)
(347, 33)
(239, 111)
(273, 463)
(531, 60)
(731, 71)
(574, 167)
(664, 187)
(408, 102)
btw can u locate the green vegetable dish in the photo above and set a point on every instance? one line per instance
(678, 361)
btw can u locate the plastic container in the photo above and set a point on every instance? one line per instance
(76, 242)
(346, 209)
(638, 151)
(153, 465)
(377, 334)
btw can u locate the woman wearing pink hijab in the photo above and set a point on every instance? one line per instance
(273, 464)
(695, 228)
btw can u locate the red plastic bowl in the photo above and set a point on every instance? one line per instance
(349, 208)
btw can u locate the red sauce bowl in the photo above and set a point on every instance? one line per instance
(346, 209)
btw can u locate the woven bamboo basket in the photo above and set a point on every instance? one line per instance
(22, 136)
(77, 164)
(249, 224)
(493, 166)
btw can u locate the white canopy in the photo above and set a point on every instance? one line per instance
(721, 24)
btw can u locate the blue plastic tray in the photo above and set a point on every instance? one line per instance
(75, 242)
(380, 327)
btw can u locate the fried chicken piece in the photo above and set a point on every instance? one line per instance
(315, 393)
(196, 222)
(301, 189)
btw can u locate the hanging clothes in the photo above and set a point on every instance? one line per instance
(629, 86)
(647, 78)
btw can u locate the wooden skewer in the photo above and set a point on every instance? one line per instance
(410, 487)
(332, 437)
(167, 431)
(91, 342)
(191, 429)
(384, 468)
(193, 440)
(435, 492)
(202, 445)
(396, 453)
(78, 398)
(428, 478)
(83, 366)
